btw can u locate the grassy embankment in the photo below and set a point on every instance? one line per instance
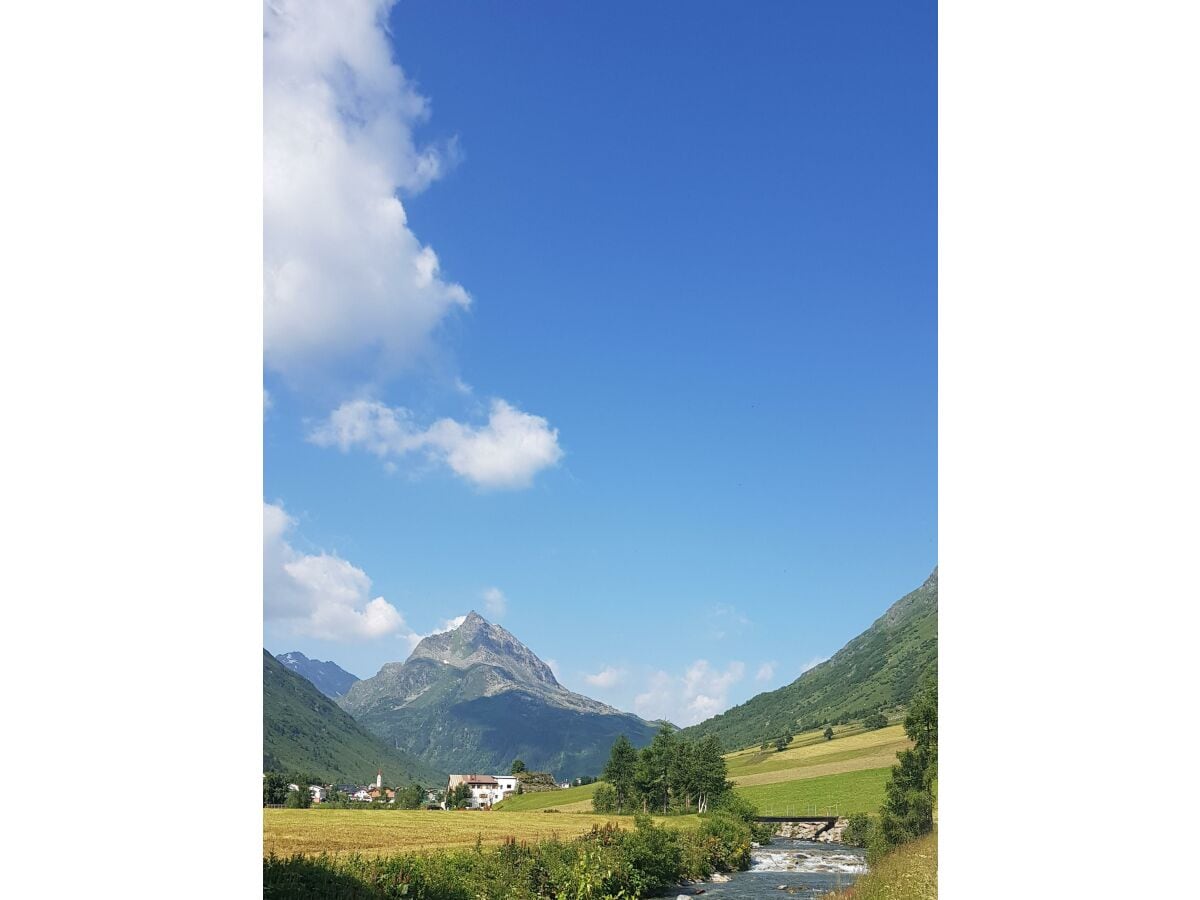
(907, 873)
(316, 830)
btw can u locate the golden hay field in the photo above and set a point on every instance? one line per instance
(288, 831)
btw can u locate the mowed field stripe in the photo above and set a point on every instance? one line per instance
(879, 759)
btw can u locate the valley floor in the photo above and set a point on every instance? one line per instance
(812, 777)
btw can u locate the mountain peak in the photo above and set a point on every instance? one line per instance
(479, 642)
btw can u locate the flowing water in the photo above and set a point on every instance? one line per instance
(801, 868)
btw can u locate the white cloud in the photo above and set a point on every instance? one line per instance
(495, 602)
(607, 677)
(700, 693)
(346, 282)
(765, 672)
(505, 453)
(319, 595)
(553, 665)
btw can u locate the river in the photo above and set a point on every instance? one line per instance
(801, 868)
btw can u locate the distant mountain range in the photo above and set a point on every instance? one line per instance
(330, 678)
(476, 698)
(305, 731)
(880, 668)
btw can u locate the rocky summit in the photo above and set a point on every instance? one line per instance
(475, 698)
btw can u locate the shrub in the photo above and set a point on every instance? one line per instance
(605, 799)
(724, 840)
(858, 832)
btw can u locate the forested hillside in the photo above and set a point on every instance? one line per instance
(880, 668)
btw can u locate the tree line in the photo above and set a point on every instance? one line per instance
(669, 775)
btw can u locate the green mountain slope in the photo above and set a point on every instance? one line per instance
(305, 731)
(475, 698)
(880, 668)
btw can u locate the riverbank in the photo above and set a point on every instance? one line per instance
(907, 873)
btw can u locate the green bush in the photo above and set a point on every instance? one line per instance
(858, 832)
(605, 799)
(724, 842)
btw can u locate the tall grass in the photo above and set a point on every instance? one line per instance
(907, 873)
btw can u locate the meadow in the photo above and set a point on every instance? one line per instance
(842, 795)
(316, 830)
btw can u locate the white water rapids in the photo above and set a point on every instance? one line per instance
(808, 859)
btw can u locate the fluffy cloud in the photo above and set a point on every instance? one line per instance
(765, 671)
(605, 678)
(505, 453)
(319, 595)
(495, 602)
(700, 693)
(345, 279)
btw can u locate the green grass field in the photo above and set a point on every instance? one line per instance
(567, 800)
(312, 831)
(842, 794)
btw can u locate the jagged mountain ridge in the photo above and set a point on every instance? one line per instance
(880, 668)
(328, 677)
(475, 698)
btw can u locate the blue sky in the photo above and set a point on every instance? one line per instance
(665, 405)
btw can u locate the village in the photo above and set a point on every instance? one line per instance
(461, 791)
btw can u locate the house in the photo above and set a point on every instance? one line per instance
(564, 784)
(362, 795)
(382, 793)
(319, 794)
(486, 790)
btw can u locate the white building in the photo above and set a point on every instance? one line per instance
(486, 790)
(319, 794)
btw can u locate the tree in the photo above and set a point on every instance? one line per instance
(621, 772)
(907, 809)
(300, 799)
(782, 741)
(711, 783)
(604, 800)
(410, 796)
(653, 769)
(518, 766)
(458, 797)
(829, 732)
(874, 721)
(275, 788)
